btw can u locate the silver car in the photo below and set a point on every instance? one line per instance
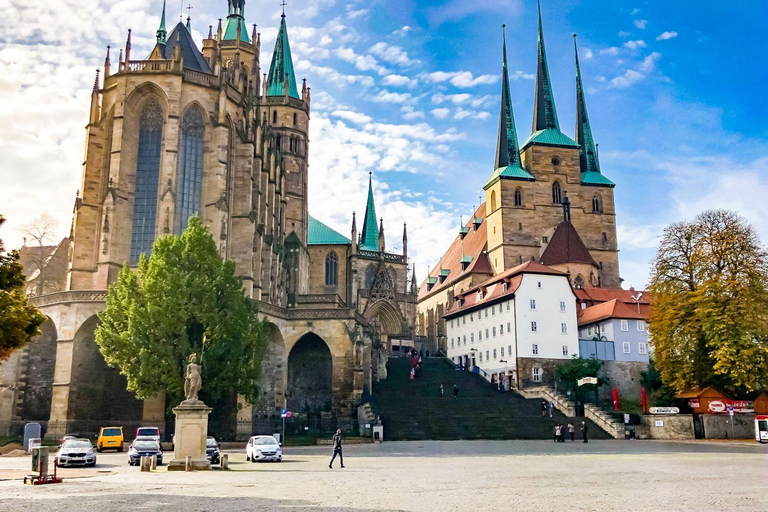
(76, 452)
(263, 448)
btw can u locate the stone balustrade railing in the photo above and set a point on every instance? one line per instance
(69, 296)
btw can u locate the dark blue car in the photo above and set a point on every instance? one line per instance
(212, 450)
(144, 447)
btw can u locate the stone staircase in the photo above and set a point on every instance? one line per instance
(412, 410)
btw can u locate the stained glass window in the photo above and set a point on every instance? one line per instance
(331, 269)
(147, 177)
(190, 169)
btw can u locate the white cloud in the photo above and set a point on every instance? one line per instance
(461, 79)
(355, 14)
(587, 54)
(402, 31)
(441, 113)
(471, 114)
(398, 80)
(361, 62)
(649, 63)
(338, 79)
(634, 45)
(623, 33)
(634, 11)
(385, 96)
(632, 76)
(392, 54)
(410, 114)
(355, 117)
(667, 35)
(613, 51)
(641, 24)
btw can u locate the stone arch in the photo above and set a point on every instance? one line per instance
(557, 192)
(597, 203)
(310, 376)
(38, 375)
(386, 315)
(493, 200)
(97, 393)
(190, 164)
(518, 196)
(142, 94)
(272, 381)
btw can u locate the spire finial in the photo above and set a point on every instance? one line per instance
(161, 32)
(283, 4)
(96, 82)
(588, 156)
(544, 112)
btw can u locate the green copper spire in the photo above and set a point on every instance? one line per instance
(369, 238)
(544, 112)
(546, 128)
(507, 150)
(282, 66)
(588, 160)
(161, 32)
(235, 18)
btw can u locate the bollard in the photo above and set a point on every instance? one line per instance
(153, 464)
(144, 464)
(224, 461)
(188, 463)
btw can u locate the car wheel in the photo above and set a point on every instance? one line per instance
(120, 449)
(98, 448)
(253, 459)
(247, 458)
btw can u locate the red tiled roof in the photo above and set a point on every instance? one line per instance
(611, 309)
(593, 296)
(474, 245)
(566, 246)
(493, 288)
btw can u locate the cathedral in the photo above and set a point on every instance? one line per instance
(188, 130)
(545, 201)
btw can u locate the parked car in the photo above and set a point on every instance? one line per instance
(212, 450)
(144, 447)
(76, 452)
(110, 438)
(152, 432)
(263, 448)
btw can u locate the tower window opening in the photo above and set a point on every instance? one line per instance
(596, 204)
(518, 198)
(557, 196)
(295, 120)
(274, 117)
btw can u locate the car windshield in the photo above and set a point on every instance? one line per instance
(148, 432)
(211, 442)
(265, 440)
(111, 432)
(77, 444)
(145, 445)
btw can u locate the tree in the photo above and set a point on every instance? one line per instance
(577, 368)
(19, 320)
(182, 294)
(709, 314)
(660, 394)
(42, 232)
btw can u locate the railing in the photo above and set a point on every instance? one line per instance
(320, 298)
(234, 42)
(196, 77)
(402, 297)
(280, 100)
(148, 66)
(339, 312)
(372, 255)
(70, 296)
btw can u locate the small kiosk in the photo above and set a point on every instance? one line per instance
(761, 418)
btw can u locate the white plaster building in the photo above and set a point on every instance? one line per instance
(517, 325)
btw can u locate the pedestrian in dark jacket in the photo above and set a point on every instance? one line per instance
(584, 431)
(337, 449)
(455, 391)
(441, 391)
(543, 409)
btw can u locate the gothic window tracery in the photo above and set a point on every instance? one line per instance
(331, 269)
(557, 196)
(518, 197)
(147, 177)
(189, 176)
(596, 204)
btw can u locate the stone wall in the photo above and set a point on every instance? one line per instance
(673, 426)
(740, 426)
(548, 367)
(625, 377)
(37, 375)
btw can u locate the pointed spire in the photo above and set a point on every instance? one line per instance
(381, 235)
(281, 69)
(189, 24)
(508, 164)
(587, 150)
(107, 64)
(210, 31)
(94, 118)
(234, 28)
(128, 47)
(369, 238)
(413, 281)
(544, 112)
(161, 32)
(405, 240)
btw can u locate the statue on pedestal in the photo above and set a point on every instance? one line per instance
(193, 380)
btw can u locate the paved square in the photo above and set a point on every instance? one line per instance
(430, 476)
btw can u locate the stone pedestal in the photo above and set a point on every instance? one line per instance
(191, 435)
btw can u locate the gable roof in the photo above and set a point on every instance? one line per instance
(611, 309)
(191, 56)
(474, 246)
(566, 246)
(593, 296)
(493, 288)
(320, 234)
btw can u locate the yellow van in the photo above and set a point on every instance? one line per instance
(110, 438)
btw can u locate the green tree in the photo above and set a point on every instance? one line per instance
(19, 320)
(709, 314)
(182, 294)
(659, 393)
(577, 368)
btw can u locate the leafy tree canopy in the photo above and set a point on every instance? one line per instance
(570, 372)
(155, 318)
(19, 320)
(709, 315)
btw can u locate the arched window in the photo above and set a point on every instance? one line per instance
(578, 282)
(556, 193)
(295, 120)
(147, 177)
(596, 204)
(331, 269)
(518, 197)
(189, 175)
(274, 117)
(493, 200)
(370, 275)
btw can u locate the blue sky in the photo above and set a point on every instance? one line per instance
(410, 91)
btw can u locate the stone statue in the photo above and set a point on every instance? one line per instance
(193, 381)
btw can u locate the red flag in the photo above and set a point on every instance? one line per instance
(644, 399)
(615, 399)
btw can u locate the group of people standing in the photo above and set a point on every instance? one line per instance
(561, 431)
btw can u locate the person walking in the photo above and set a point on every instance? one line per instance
(455, 391)
(413, 373)
(543, 409)
(556, 432)
(337, 449)
(441, 391)
(584, 429)
(572, 431)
